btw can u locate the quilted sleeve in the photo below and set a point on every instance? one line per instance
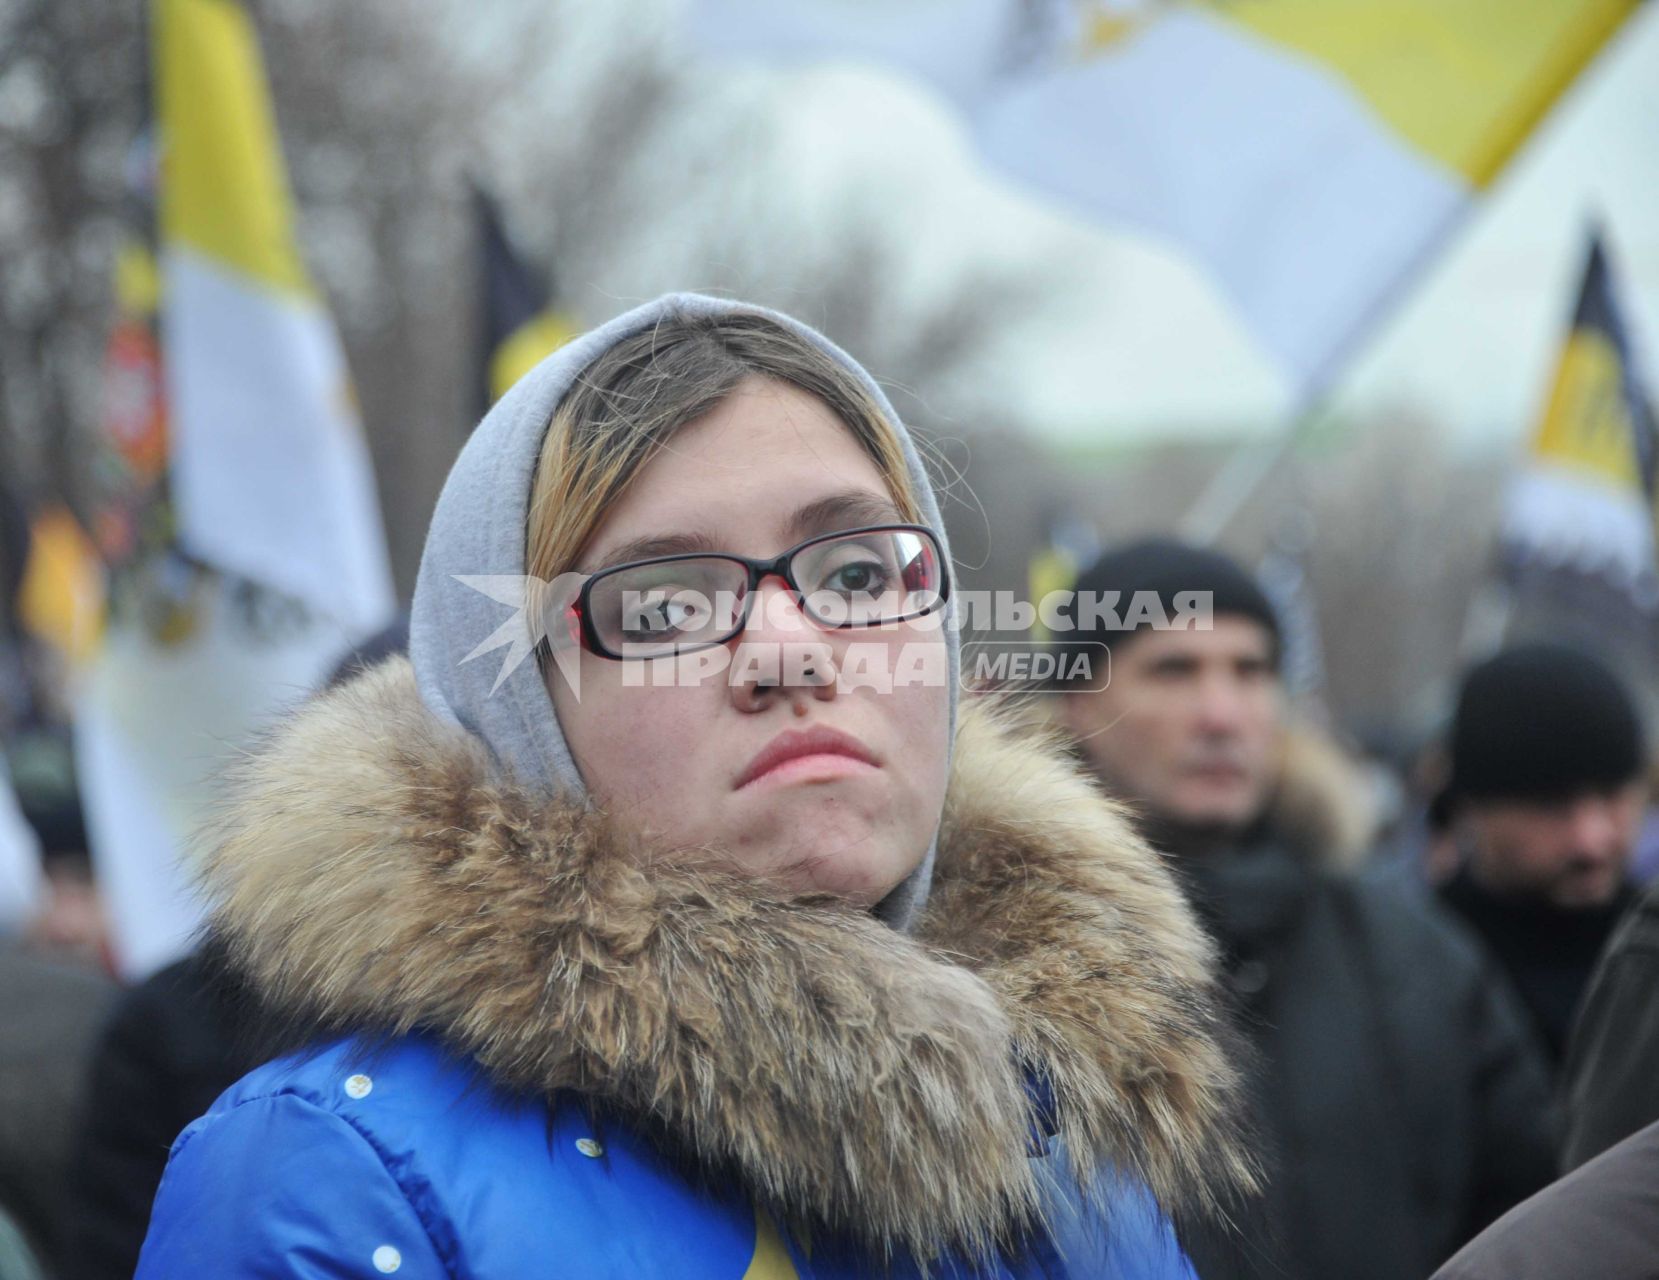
(277, 1188)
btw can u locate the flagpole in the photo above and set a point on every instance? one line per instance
(1244, 473)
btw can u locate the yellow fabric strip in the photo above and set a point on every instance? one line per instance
(1463, 81)
(224, 190)
(61, 598)
(771, 1260)
(1587, 424)
(523, 349)
(137, 281)
(1050, 570)
(1104, 28)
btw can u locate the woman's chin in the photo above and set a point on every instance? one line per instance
(862, 872)
(857, 886)
(832, 839)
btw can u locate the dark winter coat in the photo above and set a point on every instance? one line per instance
(578, 1060)
(49, 1019)
(172, 1044)
(1600, 1221)
(1547, 953)
(1402, 1098)
(1612, 1076)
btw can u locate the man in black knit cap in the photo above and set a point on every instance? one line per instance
(1400, 1093)
(1546, 797)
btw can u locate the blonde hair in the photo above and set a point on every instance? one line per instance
(628, 403)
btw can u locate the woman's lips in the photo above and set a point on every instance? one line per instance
(808, 755)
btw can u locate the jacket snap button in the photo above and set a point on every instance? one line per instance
(386, 1258)
(1250, 978)
(588, 1147)
(358, 1087)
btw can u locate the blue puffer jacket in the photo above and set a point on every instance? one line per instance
(834, 1093)
(402, 1162)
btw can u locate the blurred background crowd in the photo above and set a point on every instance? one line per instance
(1356, 294)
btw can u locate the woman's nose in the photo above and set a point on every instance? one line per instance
(780, 653)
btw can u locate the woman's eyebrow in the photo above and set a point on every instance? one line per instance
(848, 509)
(652, 545)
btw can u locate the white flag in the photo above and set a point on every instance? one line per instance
(157, 721)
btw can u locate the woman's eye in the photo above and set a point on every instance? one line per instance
(859, 577)
(657, 616)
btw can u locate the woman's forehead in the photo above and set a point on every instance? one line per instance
(771, 462)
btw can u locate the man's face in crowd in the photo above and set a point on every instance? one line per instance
(1188, 725)
(1572, 853)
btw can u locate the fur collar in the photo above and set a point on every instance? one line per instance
(370, 875)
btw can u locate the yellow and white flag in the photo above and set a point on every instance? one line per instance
(1585, 500)
(271, 475)
(1311, 154)
(280, 561)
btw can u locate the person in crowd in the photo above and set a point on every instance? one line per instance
(1547, 793)
(67, 922)
(695, 930)
(1612, 1075)
(50, 1011)
(1600, 1220)
(171, 1045)
(1400, 1092)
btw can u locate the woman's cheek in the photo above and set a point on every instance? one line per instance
(656, 755)
(929, 725)
(921, 708)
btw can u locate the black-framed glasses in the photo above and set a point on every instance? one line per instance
(865, 577)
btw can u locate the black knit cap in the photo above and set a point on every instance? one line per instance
(1165, 567)
(1543, 722)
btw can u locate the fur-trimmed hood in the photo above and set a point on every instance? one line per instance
(1322, 810)
(372, 875)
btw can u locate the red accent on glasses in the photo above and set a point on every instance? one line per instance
(918, 574)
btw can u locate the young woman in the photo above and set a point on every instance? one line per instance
(710, 940)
